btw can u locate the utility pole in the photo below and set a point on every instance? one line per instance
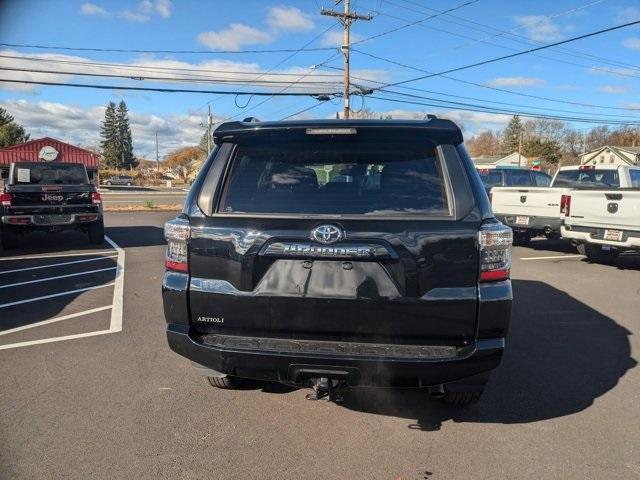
(157, 158)
(209, 132)
(346, 18)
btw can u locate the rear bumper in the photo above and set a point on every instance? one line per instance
(536, 224)
(630, 238)
(49, 220)
(292, 362)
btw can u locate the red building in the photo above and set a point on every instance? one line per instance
(49, 150)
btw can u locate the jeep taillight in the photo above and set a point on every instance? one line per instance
(177, 233)
(494, 243)
(96, 198)
(565, 205)
(6, 199)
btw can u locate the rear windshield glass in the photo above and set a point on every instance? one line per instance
(339, 177)
(47, 174)
(635, 178)
(491, 178)
(592, 178)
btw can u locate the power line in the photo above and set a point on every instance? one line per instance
(489, 87)
(483, 109)
(168, 79)
(156, 69)
(315, 105)
(622, 67)
(171, 90)
(516, 54)
(416, 22)
(175, 52)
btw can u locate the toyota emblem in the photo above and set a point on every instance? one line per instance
(327, 234)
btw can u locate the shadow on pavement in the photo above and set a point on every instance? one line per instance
(553, 245)
(561, 355)
(34, 243)
(137, 236)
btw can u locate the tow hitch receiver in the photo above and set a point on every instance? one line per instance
(325, 388)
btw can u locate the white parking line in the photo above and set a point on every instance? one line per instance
(77, 254)
(552, 257)
(53, 295)
(118, 290)
(54, 320)
(54, 339)
(57, 264)
(58, 277)
(115, 322)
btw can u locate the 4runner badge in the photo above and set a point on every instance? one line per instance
(327, 234)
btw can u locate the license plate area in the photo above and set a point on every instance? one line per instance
(520, 220)
(613, 235)
(52, 219)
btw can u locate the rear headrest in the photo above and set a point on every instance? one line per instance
(289, 177)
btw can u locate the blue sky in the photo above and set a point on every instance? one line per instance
(601, 71)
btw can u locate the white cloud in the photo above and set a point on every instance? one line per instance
(131, 16)
(146, 9)
(632, 42)
(283, 18)
(163, 7)
(93, 9)
(81, 125)
(627, 14)
(540, 28)
(334, 39)
(234, 37)
(516, 82)
(613, 89)
(614, 71)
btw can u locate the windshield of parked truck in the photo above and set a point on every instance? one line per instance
(587, 178)
(635, 178)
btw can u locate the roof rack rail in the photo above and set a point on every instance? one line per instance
(431, 116)
(251, 120)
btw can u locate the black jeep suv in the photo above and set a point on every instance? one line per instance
(340, 253)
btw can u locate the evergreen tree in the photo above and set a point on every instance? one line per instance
(11, 133)
(124, 136)
(511, 136)
(110, 137)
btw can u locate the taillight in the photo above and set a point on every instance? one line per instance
(494, 243)
(96, 198)
(177, 233)
(565, 205)
(6, 199)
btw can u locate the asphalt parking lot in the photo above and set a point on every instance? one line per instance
(89, 388)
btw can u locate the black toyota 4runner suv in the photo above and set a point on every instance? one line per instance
(340, 253)
(51, 197)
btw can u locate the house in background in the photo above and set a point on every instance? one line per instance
(612, 155)
(512, 160)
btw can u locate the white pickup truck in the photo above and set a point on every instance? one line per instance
(602, 223)
(532, 211)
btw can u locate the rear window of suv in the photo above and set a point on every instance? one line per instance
(338, 177)
(49, 174)
(587, 178)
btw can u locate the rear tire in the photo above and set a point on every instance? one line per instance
(226, 383)
(461, 399)
(96, 233)
(9, 237)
